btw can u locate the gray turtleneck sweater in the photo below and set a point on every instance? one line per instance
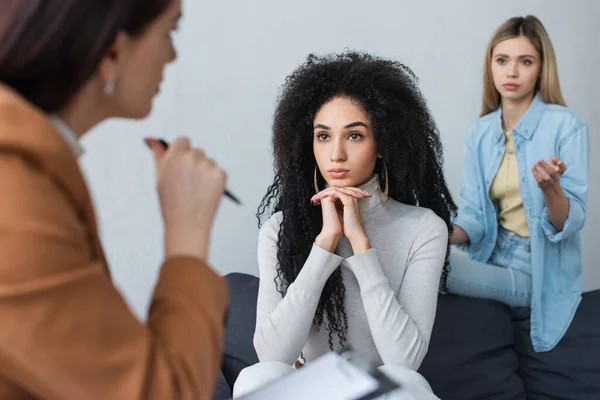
(391, 289)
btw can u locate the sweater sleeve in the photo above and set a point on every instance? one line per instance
(283, 323)
(401, 323)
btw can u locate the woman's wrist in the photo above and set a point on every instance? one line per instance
(360, 244)
(186, 242)
(553, 191)
(327, 242)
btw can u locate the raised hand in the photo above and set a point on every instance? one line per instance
(548, 173)
(190, 186)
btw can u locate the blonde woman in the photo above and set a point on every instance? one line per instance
(524, 190)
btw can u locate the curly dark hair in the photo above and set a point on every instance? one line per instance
(406, 136)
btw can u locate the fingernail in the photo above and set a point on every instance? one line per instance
(148, 141)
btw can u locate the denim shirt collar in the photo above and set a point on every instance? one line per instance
(528, 123)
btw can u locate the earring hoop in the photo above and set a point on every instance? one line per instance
(316, 182)
(384, 194)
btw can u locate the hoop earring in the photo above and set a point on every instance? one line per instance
(384, 194)
(316, 182)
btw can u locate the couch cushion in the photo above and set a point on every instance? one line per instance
(572, 369)
(239, 350)
(471, 353)
(222, 390)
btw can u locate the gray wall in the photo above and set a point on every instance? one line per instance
(233, 57)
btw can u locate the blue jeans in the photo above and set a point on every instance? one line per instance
(506, 277)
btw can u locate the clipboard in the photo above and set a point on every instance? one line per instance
(332, 376)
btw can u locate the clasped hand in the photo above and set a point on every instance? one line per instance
(341, 218)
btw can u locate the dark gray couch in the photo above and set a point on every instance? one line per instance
(479, 349)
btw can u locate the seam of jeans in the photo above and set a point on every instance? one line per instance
(514, 282)
(491, 288)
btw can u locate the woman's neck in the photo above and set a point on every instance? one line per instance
(84, 111)
(513, 111)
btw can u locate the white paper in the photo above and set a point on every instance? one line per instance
(329, 377)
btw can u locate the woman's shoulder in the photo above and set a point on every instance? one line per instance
(19, 115)
(482, 126)
(486, 122)
(421, 217)
(565, 116)
(29, 133)
(270, 228)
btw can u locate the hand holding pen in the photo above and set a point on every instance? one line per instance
(190, 187)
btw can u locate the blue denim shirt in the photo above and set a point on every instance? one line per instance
(544, 131)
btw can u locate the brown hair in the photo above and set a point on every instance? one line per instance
(50, 48)
(548, 85)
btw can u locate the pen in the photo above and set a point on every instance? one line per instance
(227, 192)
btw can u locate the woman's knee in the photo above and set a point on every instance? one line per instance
(257, 375)
(412, 384)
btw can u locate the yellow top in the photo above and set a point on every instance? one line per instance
(505, 190)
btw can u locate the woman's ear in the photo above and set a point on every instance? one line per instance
(112, 62)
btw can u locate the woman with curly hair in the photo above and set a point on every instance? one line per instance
(353, 252)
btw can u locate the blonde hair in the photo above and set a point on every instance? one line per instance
(548, 84)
